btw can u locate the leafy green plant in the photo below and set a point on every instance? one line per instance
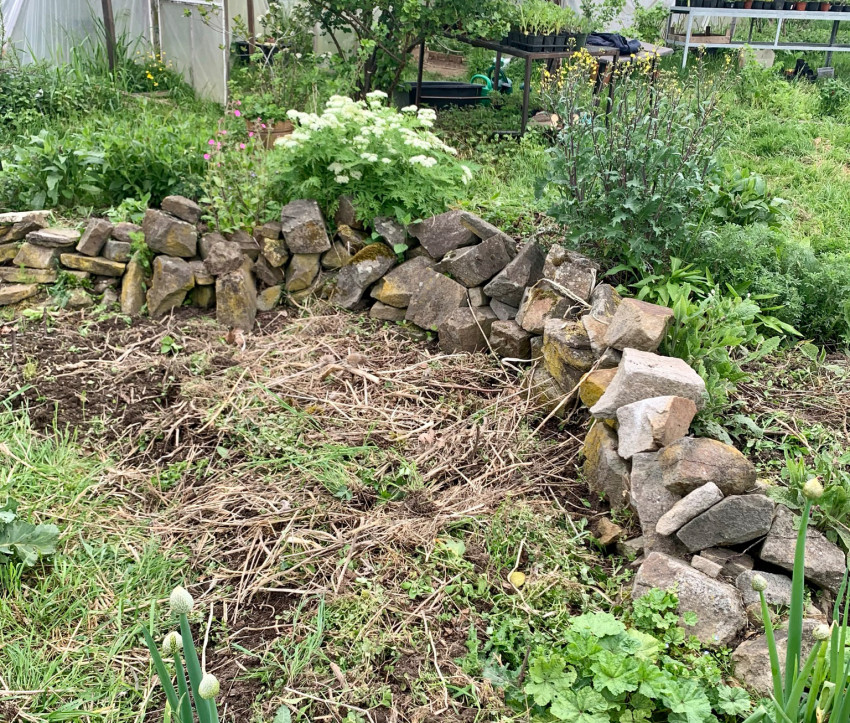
(387, 160)
(630, 167)
(22, 541)
(739, 196)
(648, 23)
(817, 688)
(604, 671)
(202, 688)
(834, 96)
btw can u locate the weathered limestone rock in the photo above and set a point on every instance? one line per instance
(270, 230)
(441, 234)
(274, 250)
(593, 385)
(172, 279)
(539, 303)
(824, 564)
(545, 391)
(185, 209)
(15, 225)
(203, 296)
(651, 500)
(610, 358)
(223, 257)
(102, 283)
(167, 235)
(631, 548)
(735, 519)
(466, 329)
(606, 473)
(78, 299)
(733, 563)
(509, 340)
(417, 251)
(706, 566)
(650, 424)
(642, 375)
(108, 298)
(386, 313)
(638, 325)
(690, 506)
(268, 274)
(124, 231)
(351, 238)
(526, 269)
(720, 614)
(268, 298)
(691, 462)
(14, 293)
(566, 351)
(115, 250)
(133, 289)
(504, 312)
(476, 297)
(36, 257)
(751, 658)
(208, 240)
(606, 532)
(302, 271)
(94, 237)
(778, 591)
(28, 276)
(236, 299)
(362, 271)
(435, 299)
(399, 285)
(346, 213)
(481, 228)
(247, 244)
(92, 264)
(336, 257)
(570, 270)
(54, 237)
(201, 275)
(474, 265)
(390, 230)
(8, 252)
(603, 304)
(303, 227)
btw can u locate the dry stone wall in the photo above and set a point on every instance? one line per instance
(706, 523)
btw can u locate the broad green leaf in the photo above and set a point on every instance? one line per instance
(598, 624)
(732, 701)
(581, 706)
(687, 702)
(28, 542)
(616, 674)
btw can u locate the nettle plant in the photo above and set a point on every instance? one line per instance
(387, 160)
(193, 700)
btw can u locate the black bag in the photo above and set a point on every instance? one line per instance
(614, 40)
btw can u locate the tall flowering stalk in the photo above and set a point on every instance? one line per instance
(202, 688)
(389, 161)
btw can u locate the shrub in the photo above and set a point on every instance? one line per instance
(809, 291)
(834, 97)
(630, 166)
(105, 160)
(388, 161)
(740, 197)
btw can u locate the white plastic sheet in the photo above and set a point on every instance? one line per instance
(47, 29)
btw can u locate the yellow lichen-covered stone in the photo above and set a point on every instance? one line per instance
(372, 252)
(594, 384)
(566, 351)
(93, 264)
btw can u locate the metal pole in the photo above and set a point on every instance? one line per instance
(833, 35)
(419, 71)
(109, 31)
(687, 40)
(525, 92)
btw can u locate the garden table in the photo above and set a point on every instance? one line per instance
(778, 15)
(604, 55)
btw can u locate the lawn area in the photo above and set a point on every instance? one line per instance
(398, 419)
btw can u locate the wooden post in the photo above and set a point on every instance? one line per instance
(109, 32)
(252, 32)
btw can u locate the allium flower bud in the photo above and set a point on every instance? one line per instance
(181, 601)
(758, 583)
(172, 644)
(209, 687)
(821, 632)
(813, 489)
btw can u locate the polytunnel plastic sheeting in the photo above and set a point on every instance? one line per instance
(194, 46)
(48, 29)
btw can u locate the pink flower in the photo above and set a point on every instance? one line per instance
(211, 142)
(206, 156)
(238, 102)
(242, 146)
(218, 146)
(250, 134)
(263, 125)
(237, 113)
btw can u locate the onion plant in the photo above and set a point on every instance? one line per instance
(818, 689)
(204, 686)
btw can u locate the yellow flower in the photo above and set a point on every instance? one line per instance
(150, 77)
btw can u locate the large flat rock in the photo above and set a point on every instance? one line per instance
(732, 521)
(526, 269)
(652, 500)
(441, 234)
(690, 462)
(718, 606)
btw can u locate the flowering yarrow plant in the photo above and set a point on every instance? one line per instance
(389, 161)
